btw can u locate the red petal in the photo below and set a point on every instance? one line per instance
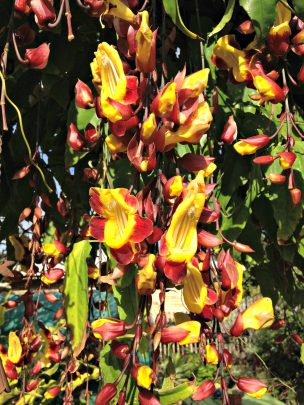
(131, 96)
(124, 255)
(96, 229)
(175, 272)
(143, 228)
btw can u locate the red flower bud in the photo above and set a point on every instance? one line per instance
(22, 6)
(120, 350)
(37, 58)
(287, 159)
(276, 178)
(204, 391)
(10, 304)
(240, 247)
(238, 326)
(230, 131)
(227, 358)
(122, 398)
(208, 215)
(44, 11)
(31, 385)
(296, 196)
(62, 207)
(194, 163)
(264, 160)
(208, 240)
(90, 134)
(108, 328)
(280, 323)
(83, 95)
(297, 338)
(146, 397)
(105, 395)
(173, 334)
(74, 139)
(37, 368)
(246, 27)
(53, 392)
(251, 386)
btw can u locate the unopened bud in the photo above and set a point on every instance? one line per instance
(37, 58)
(297, 338)
(230, 131)
(276, 178)
(296, 196)
(204, 391)
(264, 160)
(83, 95)
(208, 240)
(74, 139)
(107, 393)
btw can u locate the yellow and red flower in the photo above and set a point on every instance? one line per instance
(278, 38)
(108, 328)
(184, 333)
(252, 387)
(227, 55)
(179, 243)
(250, 145)
(258, 315)
(117, 91)
(146, 277)
(145, 45)
(118, 224)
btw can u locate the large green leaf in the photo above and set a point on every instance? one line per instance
(299, 7)
(262, 13)
(287, 217)
(176, 394)
(76, 294)
(225, 19)
(127, 299)
(172, 9)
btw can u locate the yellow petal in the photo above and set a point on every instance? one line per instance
(115, 144)
(244, 148)
(148, 128)
(144, 376)
(195, 290)
(259, 314)
(259, 394)
(194, 327)
(14, 352)
(167, 99)
(211, 355)
(197, 82)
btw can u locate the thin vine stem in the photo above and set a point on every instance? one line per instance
(23, 135)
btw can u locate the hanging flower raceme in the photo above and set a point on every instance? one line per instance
(184, 333)
(117, 91)
(227, 55)
(118, 225)
(179, 243)
(258, 315)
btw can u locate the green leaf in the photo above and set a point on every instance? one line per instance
(127, 299)
(299, 8)
(262, 14)
(109, 365)
(302, 353)
(176, 394)
(172, 9)
(287, 217)
(76, 294)
(225, 19)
